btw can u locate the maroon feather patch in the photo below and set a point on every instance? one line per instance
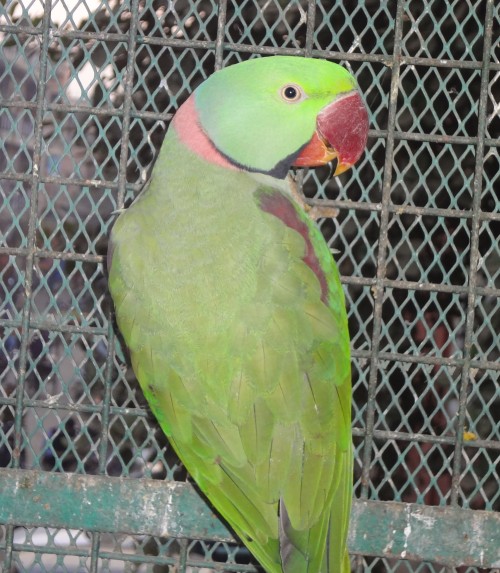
(281, 207)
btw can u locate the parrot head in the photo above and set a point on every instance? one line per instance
(269, 114)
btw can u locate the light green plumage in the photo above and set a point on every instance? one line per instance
(245, 367)
(260, 125)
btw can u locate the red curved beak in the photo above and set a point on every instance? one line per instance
(341, 133)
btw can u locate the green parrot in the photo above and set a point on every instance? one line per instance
(230, 303)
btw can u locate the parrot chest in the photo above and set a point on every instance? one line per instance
(198, 268)
(216, 298)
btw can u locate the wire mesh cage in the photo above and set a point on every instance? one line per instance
(87, 89)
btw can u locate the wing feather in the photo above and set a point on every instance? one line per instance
(258, 411)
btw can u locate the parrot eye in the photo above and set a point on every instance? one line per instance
(292, 93)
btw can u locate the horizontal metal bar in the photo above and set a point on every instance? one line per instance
(77, 551)
(444, 63)
(406, 285)
(437, 360)
(52, 326)
(144, 413)
(166, 117)
(75, 407)
(418, 286)
(425, 438)
(337, 203)
(404, 436)
(444, 535)
(434, 138)
(363, 354)
(174, 509)
(423, 286)
(141, 559)
(66, 256)
(106, 111)
(46, 254)
(403, 209)
(99, 503)
(17, 29)
(437, 212)
(426, 359)
(384, 59)
(94, 183)
(346, 279)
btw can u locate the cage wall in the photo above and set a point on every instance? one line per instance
(87, 89)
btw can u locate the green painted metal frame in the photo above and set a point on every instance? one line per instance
(174, 509)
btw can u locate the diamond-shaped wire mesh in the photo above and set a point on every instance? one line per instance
(87, 88)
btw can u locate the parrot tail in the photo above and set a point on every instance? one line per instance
(293, 558)
(300, 549)
(336, 559)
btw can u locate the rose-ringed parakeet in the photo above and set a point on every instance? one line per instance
(231, 305)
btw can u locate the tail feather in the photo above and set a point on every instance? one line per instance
(336, 559)
(301, 551)
(292, 557)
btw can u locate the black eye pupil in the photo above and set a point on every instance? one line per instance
(290, 92)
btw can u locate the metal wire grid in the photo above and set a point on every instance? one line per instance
(417, 236)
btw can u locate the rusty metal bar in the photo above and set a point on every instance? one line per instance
(474, 256)
(221, 31)
(264, 50)
(378, 288)
(34, 180)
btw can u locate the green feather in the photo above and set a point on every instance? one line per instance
(240, 351)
